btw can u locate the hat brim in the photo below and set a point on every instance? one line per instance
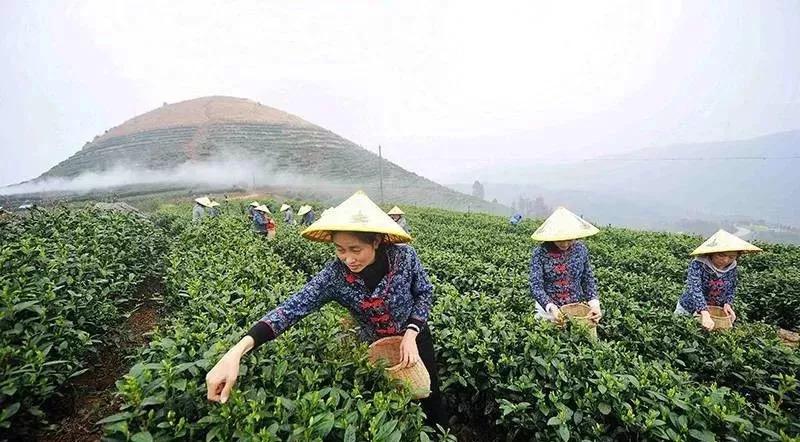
(722, 242)
(564, 236)
(325, 233)
(707, 251)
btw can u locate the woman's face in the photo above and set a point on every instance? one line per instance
(353, 252)
(395, 217)
(564, 245)
(722, 260)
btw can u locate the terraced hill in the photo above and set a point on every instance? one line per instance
(308, 158)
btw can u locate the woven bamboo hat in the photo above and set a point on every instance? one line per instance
(395, 211)
(563, 225)
(213, 204)
(263, 208)
(203, 201)
(254, 204)
(326, 212)
(285, 207)
(356, 214)
(303, 210)
(723, 241)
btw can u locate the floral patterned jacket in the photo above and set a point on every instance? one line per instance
(562, 277)
(404, 296)
(705, 287)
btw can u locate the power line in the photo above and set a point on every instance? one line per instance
(568, 160)
(744, 158)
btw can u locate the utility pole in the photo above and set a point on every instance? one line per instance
(380, 167)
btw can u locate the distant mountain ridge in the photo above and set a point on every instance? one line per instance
(755, 178)
(280, 148)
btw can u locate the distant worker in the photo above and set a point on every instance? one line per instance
(213, 209)
(399, 217)
(712, 276)
(560, 271)
(262, 221)
(259, 220)
(307, 214)
(288, 214)
(515, 219)
(199, 210)
(250, 209)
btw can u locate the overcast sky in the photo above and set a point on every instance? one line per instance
(443, 86)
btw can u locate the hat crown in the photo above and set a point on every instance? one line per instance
(203, 201)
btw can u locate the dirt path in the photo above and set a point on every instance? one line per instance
(91, 396)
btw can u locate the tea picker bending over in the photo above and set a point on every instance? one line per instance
(712, 276)
(400, 218)
(560, 271)
(199, 209)
(379, 280)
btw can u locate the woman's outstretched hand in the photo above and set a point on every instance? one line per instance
(222, 377)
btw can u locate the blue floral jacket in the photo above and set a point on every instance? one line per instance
(403, 296)
(259, 222)
(562, 277)
(705, 287)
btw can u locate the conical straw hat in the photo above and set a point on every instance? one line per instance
(263, 208)
(285, 207)
(303, 210)
(254, 204)
(563, 225)
(326, 212)
(723, 241)
(395, 211)
(213, 204)
(203, 201)
(356, 214)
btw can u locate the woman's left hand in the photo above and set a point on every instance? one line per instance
(729, 310)
(409, 354)
(595, 313)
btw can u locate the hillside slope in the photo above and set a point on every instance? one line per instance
(250, 144)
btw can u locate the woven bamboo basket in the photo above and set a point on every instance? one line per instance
(721, 319)
(416, 376)
(579, 312)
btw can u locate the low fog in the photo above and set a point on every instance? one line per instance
(211, 174)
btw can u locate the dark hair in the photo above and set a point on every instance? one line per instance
(365, 237)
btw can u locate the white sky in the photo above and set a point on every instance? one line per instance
(443, 86)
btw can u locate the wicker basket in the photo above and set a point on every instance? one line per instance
(579, 312)
(722, 321)
(789, 338)
(416, 376)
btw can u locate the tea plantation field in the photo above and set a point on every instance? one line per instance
(506, 376)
